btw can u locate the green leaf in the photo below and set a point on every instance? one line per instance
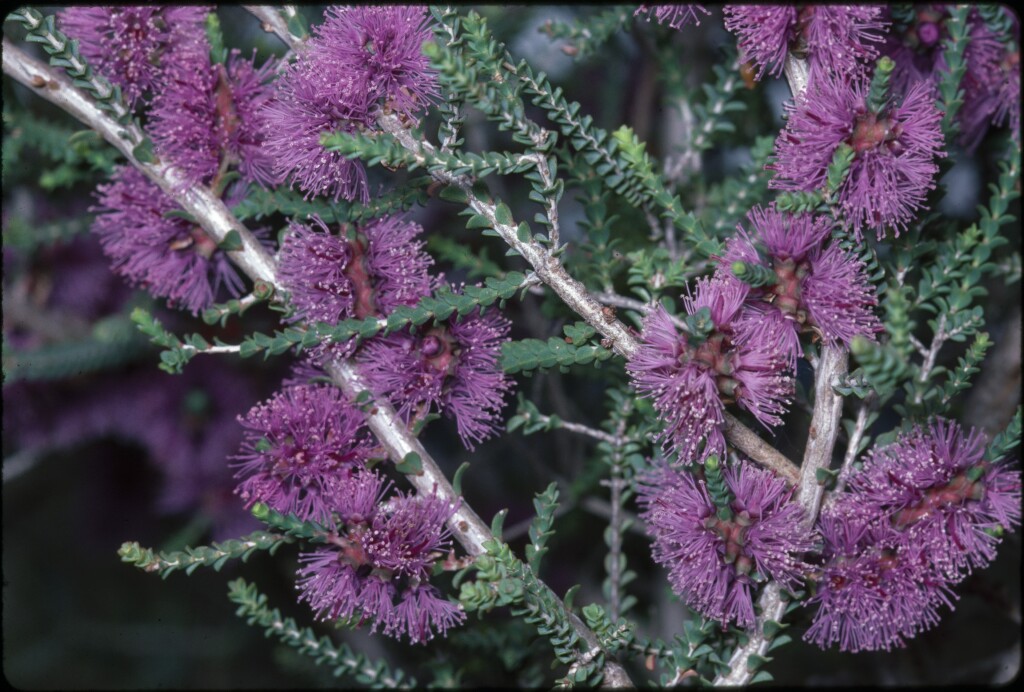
(232, 242)
(411, 464)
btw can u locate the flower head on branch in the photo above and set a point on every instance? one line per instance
(298, 447)
(132, 46)
(813, 285)
(360, 62)
(717, 549)
(167, 254)
(691, 377)
(834, 39)
(451, 368)
(378, 568)
(894, 147)
(209, 117)
(366, 271)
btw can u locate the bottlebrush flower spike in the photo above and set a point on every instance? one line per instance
(716, 555)
(299, 446)
(876, 589)
(384, 553)
(131, 46)
(836, 40)
(451, 368)
(815, 286)
(934, 485)
(894, 148)
(208, 117)
(991, 80)
(359, 63)
(366, 271)
(167, 255)
(690, 379)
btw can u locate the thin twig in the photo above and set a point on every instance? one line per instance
(274, 23)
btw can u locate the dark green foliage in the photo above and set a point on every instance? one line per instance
(586, 35)
(951, 96)
(113, 341)
(541, 528)
(252, 605)
(216, 555)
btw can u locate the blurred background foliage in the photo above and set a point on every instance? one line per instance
(100, 447)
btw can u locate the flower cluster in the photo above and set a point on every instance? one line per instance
(718, 543)
(835, 39)
(807, 285)
(209, 117)
(298, 447)
(378, 564)
(360, 62)
(991, 80)
(918, 517)
(133, 46)
(451, 367)
(168, 255)
(894, 147)
(691, 376)
(369, 272)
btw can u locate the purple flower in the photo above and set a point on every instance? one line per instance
(383, 552)
(894, 150)
(131, 46)
(876, 589)
(991, 81)
(764, 33)
(372, 271)
(934, 485)
(383, 45)
(690, 381)
(452, 368)
(377, 268)
(991, 86)
(676, 16)
(818, 287)
(360, 62)
(715, 563)
(299, 446)
(836, 39)
(209, 117)
(167, 255)
(306, 105)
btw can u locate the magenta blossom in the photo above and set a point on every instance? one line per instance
(299, 446)
(361, 62)
(834, 39)
(378, 568)
(132, 46)
(208, 118)
(451, 368)
(716, 563)
(368, 271)
(690, 380)
(876, 589)
(167, 255)
(934, 485)
(818, 287)
(894, 151)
